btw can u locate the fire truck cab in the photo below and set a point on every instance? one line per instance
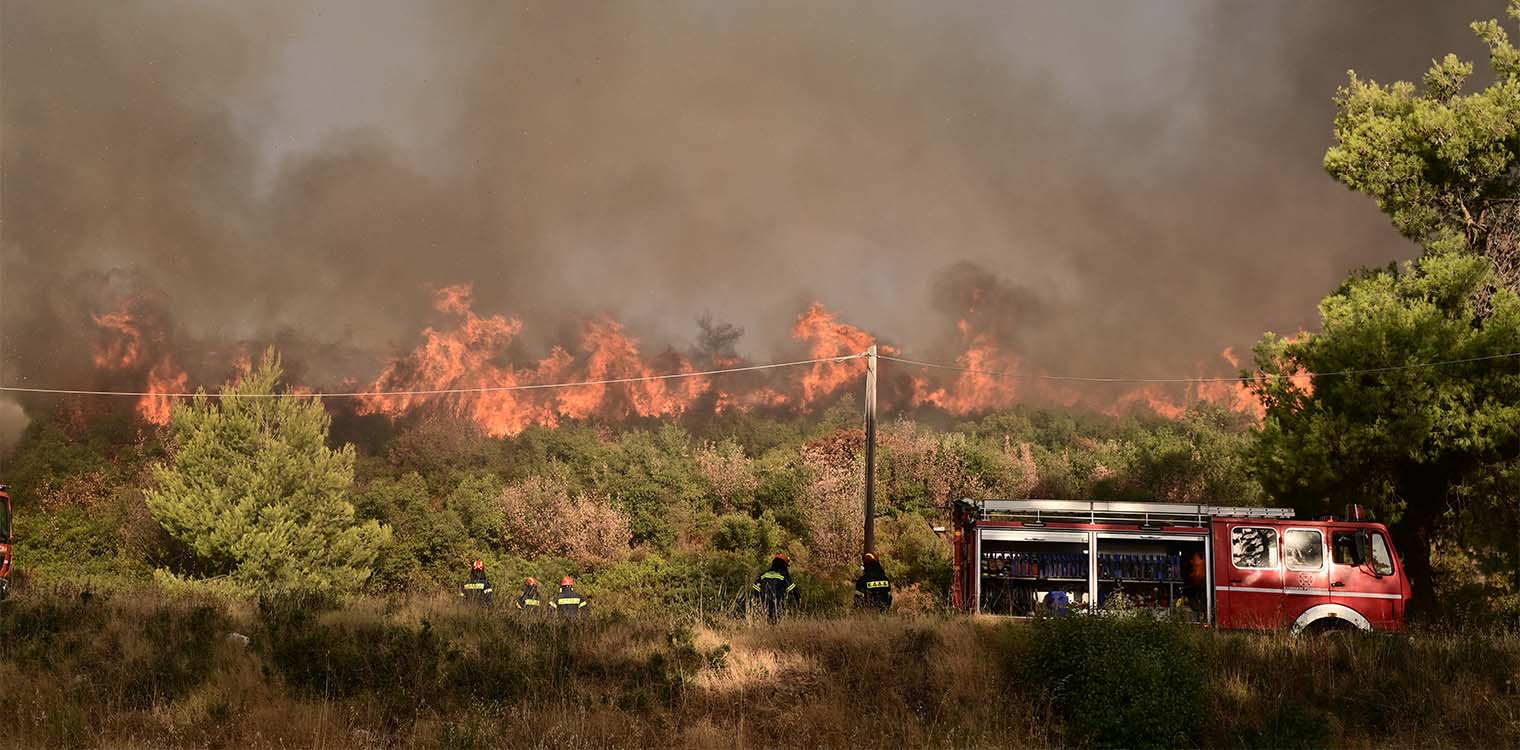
(5, 541)
(1229, 566)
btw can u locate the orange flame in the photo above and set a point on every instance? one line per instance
(123, 349)
(463, 362)
(983, 387)
(826, 336)
(473, 368)
(163, 379)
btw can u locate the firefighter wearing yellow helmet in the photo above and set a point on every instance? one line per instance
(873, 590)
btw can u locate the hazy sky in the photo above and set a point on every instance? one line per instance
(1131, 186)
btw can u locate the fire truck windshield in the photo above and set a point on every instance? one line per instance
(5, 522)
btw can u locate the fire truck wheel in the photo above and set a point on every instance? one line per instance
(1329, 628)
(1330, 616)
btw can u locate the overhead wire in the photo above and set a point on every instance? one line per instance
(1236, 379)
(769, 366)
(444, 391)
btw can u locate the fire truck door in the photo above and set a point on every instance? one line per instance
(1371, 588)
(1306, 569)
(1248, 575)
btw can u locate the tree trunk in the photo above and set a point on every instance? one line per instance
(1423, 490)
(1413, 541)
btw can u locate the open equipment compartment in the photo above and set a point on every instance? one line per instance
(1161, 571)
(1020, 557)
(1020, 571)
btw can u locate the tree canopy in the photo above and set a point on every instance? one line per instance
(253, 490)
(1444, 164)
(1422, 445)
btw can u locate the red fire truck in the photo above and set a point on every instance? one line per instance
(5, 541)
(1233, 567)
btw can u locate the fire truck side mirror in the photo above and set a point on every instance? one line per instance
(1363, 547)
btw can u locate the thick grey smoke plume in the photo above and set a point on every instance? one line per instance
(1132, 186)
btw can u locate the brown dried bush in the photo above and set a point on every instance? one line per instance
(542, 517)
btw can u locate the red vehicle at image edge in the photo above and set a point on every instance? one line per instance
(5, 541)
(1232, 567)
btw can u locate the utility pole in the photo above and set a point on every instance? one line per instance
(871, 449)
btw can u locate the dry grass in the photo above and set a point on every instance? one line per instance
(144, 669)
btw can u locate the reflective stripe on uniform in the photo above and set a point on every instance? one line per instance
(530, 602)
(878, 584)
(568, 601)
(474, 585)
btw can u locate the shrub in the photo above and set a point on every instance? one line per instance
(540, 517)
(1130, 681)
(833, 509)
(729, 474)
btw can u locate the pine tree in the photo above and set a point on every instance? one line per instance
(253, 490)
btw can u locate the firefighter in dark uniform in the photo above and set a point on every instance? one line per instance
(529, 600)
(568, 604)
(873, 590)
(477, 590)
(774, 587)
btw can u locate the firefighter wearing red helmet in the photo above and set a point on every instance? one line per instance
(873, 590)
(775, 586)
(568, 604)
(477, 588)
(529, 600)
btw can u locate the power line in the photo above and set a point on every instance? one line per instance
(771, 366)
(442, 391)
(1237, 379)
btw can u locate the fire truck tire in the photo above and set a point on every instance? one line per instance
(1330, 617)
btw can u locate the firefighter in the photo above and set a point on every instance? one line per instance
(568, 604)
(477, 589)
(873, 590)
(529, 600)
(774, 586)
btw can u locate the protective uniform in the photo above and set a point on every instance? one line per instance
(774, 586)
(477, 590)
(568, 604)
(529, 600)
(873, 589)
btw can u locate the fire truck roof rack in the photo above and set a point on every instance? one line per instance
(1080, 511)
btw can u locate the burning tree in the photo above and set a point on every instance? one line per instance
(253, 490)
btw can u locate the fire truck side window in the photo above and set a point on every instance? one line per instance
(1304, 549)
(1382, 559)
(1345, 548)
(1253, 547)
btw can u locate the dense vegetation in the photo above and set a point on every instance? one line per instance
(136, 668)
(651, 516)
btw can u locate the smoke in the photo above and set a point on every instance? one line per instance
(1122, 188)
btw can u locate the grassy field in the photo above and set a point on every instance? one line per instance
(144, 668)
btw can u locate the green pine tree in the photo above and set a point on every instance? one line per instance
(1431, 450)
(253, 490)
(1444, 164)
